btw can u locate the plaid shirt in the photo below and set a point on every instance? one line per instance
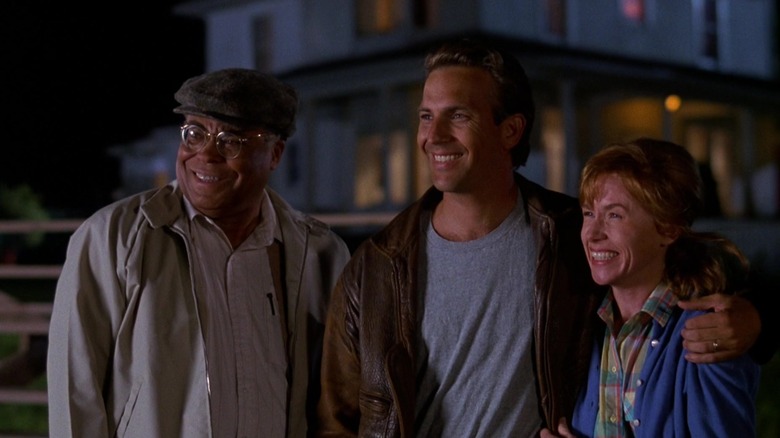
(622, 359)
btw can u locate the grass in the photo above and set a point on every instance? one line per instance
(22, 419)
(768, 403)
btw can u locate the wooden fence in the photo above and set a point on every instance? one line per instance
(29, 320)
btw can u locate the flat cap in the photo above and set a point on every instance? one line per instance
(245, 97)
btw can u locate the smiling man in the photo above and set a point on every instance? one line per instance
(197, 309)
(462, 317)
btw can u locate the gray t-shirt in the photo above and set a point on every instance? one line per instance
(474, 368)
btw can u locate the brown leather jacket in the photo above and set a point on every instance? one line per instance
(368, 372)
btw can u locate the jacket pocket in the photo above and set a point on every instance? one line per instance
(127, 412)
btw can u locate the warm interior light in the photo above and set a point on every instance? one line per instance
(672, 103)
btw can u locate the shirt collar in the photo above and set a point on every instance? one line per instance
(659, 305)
(268, 227)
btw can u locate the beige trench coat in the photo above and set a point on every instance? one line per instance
(126, 351)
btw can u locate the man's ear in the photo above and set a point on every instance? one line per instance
(278, 149)
(512, 129)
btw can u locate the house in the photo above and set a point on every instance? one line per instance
(699, 72)
(703, 73)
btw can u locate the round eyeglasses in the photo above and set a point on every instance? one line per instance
(195, 138)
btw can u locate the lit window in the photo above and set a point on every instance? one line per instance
(381, 173)
(369, 172)
(398, 167)
(633, 10)
(378, 16)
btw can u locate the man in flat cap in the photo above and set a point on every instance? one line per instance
(197, 309)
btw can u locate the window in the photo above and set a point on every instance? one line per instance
(555, 17)
(364, 155)
(369, 170)
(378, 16)
(380, 174)
(385, 16)
(425, 13)
(398, 165)
(633, 10)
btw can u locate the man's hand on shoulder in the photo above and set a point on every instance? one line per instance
(728, 331)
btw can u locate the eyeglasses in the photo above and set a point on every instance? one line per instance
(195, 138)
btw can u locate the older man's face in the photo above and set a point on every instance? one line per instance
(221, 188)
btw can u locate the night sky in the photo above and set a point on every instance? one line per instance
(78, 79)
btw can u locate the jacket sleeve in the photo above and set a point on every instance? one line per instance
(338, 409)
(80, 337)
